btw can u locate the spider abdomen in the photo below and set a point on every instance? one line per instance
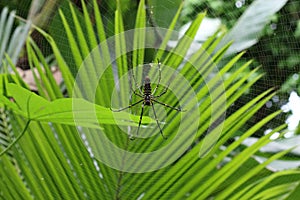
(147, 91)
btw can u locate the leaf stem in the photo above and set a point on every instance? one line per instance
(17, 139)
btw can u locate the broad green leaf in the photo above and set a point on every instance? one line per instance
(62, 111)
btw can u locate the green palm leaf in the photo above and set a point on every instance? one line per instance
(59, 161)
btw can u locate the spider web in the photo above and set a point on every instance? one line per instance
(277, 51)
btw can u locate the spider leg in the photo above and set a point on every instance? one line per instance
(157, 121)
(141, 117)
(159, 77)
(134, 92)
(137, 94)
(127, 106)
(136, 85)
(163, 92)
(164, 104)
(166, 88)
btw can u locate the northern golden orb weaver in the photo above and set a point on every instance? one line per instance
(148, 98)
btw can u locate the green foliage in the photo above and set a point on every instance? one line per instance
(276, 46)
(34, 107)
(5, 127)
(53, 161)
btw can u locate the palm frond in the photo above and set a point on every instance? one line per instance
(11, 39)
(196, 161)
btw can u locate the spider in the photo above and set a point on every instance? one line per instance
(148, 99)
